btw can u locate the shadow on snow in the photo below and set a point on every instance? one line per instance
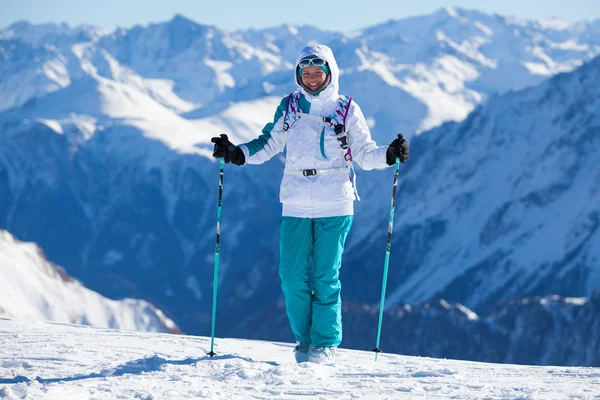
(140, 366)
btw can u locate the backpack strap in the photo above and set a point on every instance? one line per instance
(293, 111)
(337, 121)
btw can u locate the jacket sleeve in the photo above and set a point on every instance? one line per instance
(365, 151)
(271, 141)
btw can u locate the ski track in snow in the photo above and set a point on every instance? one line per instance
(43, 360)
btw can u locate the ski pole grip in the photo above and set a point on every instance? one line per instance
(400, 139)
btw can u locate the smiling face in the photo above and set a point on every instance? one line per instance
(313, 77)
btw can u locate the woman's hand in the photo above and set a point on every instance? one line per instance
(227, 150)
(397, 149)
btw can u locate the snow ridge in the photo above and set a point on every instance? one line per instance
(34, 289)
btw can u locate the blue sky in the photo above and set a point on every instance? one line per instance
(345, 15)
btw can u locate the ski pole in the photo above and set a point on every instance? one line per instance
(388, 247)
(217, 250)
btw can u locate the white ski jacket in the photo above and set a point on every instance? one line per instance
(311, 144)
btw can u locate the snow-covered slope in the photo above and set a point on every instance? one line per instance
(45, 360)
(32, 288)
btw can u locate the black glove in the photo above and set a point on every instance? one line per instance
(227, 150)
(397, 149)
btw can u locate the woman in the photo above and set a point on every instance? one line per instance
(323, 133)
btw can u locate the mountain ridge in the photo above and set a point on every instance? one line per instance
(34, 289)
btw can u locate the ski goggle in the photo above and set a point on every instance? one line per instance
(311, 62)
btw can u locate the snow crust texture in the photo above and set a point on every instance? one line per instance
(56, 361)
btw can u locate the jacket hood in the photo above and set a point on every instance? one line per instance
(326, 54)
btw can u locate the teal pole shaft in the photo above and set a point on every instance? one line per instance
(387, 257)
(217, 251)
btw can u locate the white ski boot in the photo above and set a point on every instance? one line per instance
(322, 355)
(301, 352)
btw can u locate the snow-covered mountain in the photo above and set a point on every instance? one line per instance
(412, 74)
(45, 360)
(105, 160)
(34, 289)
(506, 203)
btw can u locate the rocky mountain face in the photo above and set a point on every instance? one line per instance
(105, 160)
(531, 330)
(534, 331)
(504, 204)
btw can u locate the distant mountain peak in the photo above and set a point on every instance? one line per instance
(21, 24)
(51, 32)
(293, 29)
(554, 24)
(451, 11)
(181, 19)
(183, 22)
(462, 12)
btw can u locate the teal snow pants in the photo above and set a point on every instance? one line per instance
(313, 306)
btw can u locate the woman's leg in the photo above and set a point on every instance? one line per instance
(295, 248)
(329, 238)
